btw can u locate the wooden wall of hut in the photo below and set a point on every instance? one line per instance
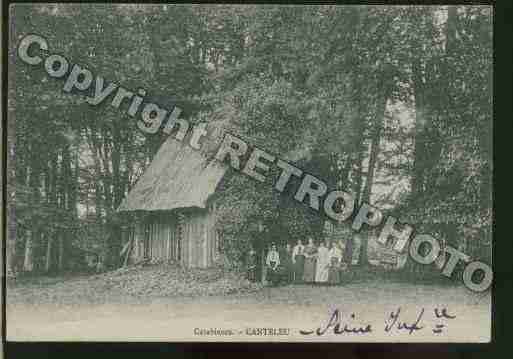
(185, 237)
(157, 238)
(198, 238)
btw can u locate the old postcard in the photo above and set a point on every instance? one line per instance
(249, 173)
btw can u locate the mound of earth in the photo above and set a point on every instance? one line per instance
(172, 280)
(136, 282)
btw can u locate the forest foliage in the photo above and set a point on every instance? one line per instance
(390, 103)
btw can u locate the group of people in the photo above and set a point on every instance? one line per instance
(308, 263)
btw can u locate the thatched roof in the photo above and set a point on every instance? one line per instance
(178, 177)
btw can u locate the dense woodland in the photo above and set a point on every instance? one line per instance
(393, 104)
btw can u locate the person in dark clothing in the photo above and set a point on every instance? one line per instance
(251, 265)
(298, 260)
(288, 265)
(272, 262)
(335, 262)
(310, 261)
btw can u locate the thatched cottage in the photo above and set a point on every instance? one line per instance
(176, 216)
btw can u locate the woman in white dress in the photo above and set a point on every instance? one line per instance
(323, 264)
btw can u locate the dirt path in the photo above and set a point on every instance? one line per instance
(293, 307)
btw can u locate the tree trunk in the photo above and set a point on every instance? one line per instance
(376, 137)
(115, 237)
(12, 164)
(421, 116)
(356, 156)
(61, 252)
(68, 204)
(28, 262)
(374, 151)
(263, 266)
(427, 141)
(48, 264)
(10, 256)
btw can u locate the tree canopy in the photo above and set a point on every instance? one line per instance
(391, 103)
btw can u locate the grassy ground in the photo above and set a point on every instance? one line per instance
(162, 303)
